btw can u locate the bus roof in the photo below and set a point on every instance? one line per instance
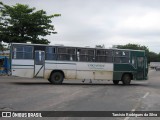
(74, 46)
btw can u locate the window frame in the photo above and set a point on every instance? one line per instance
(69, 57)
(23, 52)
(105, 55)
(54, 54)
(121, 56)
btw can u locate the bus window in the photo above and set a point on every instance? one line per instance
(62, 50)
(85, 55)
(62, 53)
(109, 59)
(100, 59)
(71, 51)
(71, 54)
(117, 53)
(66, 54)
(23, 52)
(104, 56)
(134, 61)
(91, 55)
(28, 52)
(39, 57)
(18, 52)
(121, 56)
(51, 53)
(121, 60)
(140, 62)
(83, 58)
(101, 53)
(109, 54)
(100, 56)
(78, 51)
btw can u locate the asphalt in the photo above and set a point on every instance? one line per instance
(24, 94)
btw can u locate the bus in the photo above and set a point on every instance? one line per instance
(56, 63)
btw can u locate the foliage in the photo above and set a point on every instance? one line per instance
(100, 46)
(20, 23)
(3, 47)
(152, 57)
(134, 47)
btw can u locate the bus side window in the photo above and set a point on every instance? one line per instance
(62, 53)
(103, 55)
(18, 52)
(91, 55)
(121, 56)
(71, 54)
(140, 61)
(86, 55)
(51, 53)
(28, 52)
(100, 56)
(83, 55)
(78, 50)
(134, 61)
(109, 54)
(66, 54)
(23, 52)
(39, 57)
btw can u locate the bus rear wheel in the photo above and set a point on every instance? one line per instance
(56, 78)
(116, 82)
(126, 79)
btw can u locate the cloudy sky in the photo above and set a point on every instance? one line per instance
(97, 22)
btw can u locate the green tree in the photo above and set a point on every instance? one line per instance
(1, 47)
(153, 57)
(158, 57)
(20, 23)
(134, 47)
(100, 46)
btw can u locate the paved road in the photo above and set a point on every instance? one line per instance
(21, 94)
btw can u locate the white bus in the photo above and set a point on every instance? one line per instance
(57, 63)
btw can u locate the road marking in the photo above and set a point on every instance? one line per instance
(146, 95)
(134, 109)
(75, 93)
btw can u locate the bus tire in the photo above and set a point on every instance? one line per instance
(116, 82)
(56, 78)
(126, 79)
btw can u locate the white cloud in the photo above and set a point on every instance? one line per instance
(109, 22)
(148, 21)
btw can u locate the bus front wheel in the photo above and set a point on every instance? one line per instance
(56, 78)
(126, 79)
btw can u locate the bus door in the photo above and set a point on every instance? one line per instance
(39, 63)
(141, 68)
